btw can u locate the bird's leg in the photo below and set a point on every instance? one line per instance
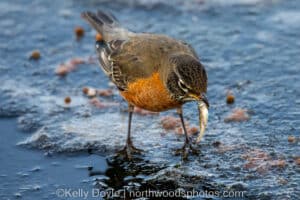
(187, 147)
(129, 148)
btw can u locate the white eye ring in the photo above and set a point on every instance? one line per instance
(182, 86)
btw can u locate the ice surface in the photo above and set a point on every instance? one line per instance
(249, 47)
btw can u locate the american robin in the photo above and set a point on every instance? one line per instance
(154, 72)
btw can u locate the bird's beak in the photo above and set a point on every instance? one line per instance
(203, 106)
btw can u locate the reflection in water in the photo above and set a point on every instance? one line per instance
(125, 177)
(129, 180)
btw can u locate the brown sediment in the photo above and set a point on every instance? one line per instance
(90, 92)
(85, 90)
(105, 92)
(230, 98)
(238, 115)
(141, 111)
(35, 55)
(297, 161)
(79, 32)
(97, 103)
(261, 161)
(171, 123)
(291, 139)
(64, 68)
(68, 100)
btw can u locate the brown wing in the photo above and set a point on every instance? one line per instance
(126, 56)
(138, 57)
(144, 54)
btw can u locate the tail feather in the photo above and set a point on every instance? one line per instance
(106, 24)
(108, 18)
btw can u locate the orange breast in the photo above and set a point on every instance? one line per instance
(149, 94)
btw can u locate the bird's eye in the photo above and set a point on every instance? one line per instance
(99, 44)
(182, 86)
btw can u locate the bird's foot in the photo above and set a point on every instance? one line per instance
(129, 150)
(186, 149)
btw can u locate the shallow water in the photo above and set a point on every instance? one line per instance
(250, 47)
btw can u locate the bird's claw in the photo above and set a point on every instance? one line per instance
(129, 150)
(185, 150)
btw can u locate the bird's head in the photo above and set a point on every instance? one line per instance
(187, 81)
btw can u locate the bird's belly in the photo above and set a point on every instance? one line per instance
(149, 94)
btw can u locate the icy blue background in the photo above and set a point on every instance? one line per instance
(250, 47)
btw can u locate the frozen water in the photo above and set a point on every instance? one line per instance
(250, 47)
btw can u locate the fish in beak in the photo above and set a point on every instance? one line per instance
(203, 106)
